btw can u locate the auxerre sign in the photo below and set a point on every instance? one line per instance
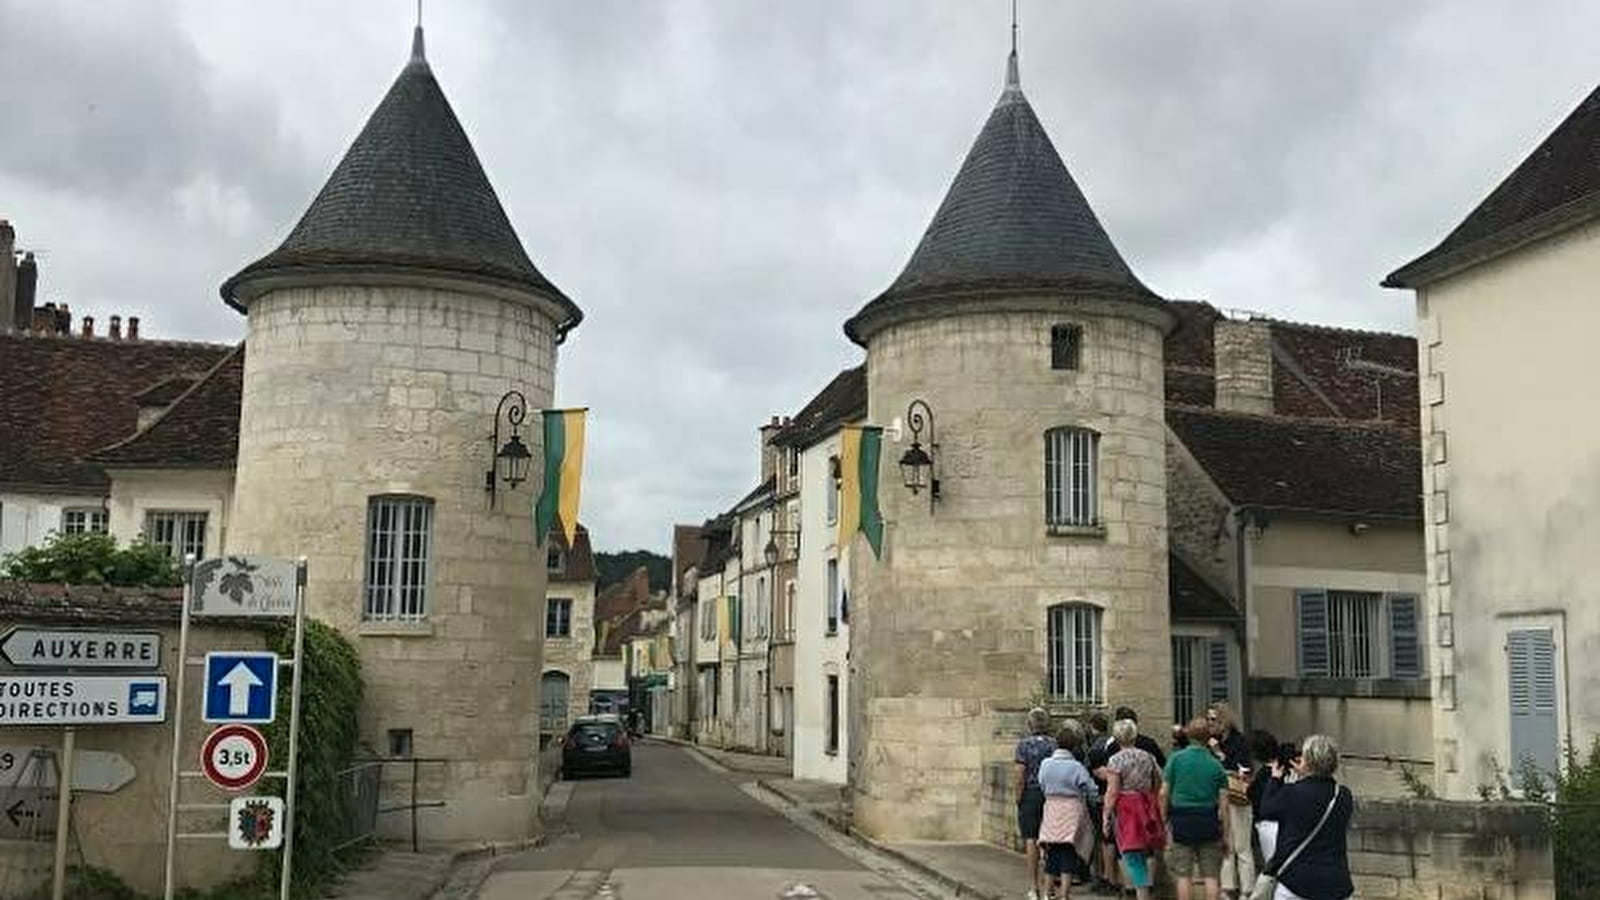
(40, 648)
(243, 586)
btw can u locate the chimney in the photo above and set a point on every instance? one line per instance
(27, 286)
(133, 328)
(769, 453)
(8, 278)
(116, 328)
(1243, 349)
(63, 320)
(88, 326)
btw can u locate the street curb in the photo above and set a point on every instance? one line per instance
(956, 886)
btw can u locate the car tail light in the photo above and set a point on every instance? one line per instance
(620, 741)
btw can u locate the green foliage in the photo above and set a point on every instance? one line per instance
(1414, 784)
(1577, 824)
(611, 568)
(90, 883)
(91, 559)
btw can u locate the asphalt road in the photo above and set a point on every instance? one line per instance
(679, 830)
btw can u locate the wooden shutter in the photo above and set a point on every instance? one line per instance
(1531, 664)
(1405, 649)
(1219, 671)
(1313, 633)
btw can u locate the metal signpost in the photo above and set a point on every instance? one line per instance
(240, 687)
(64, 697)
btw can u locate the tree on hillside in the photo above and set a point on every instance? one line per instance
(612, 567)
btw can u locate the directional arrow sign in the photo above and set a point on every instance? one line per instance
(241, 686)
(27, 813)
(95, 771)
(67, 648)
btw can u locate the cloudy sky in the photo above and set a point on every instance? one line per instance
(720, 183)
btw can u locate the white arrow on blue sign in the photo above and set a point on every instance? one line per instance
(241, 686)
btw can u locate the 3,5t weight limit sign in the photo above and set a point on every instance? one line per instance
(234, 757)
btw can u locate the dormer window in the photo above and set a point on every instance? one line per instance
(1066, 346)
(555, 560)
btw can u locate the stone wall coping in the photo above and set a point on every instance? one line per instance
(68, 604)
(1464, 817)
(1379, 688)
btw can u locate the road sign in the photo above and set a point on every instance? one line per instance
(65, 648)
(27, 813)
(83, 699)
(241, 686)
(255, 823)
(244, 586)
(95, 771)
(234, 757)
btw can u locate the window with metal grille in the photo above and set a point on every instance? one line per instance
(558, 617)
(1070, 464)
(1358, 634)
(83, 520)
(1074, 648)
(1066, 345)
(1184, 650)
(399, 533)
(178, 532)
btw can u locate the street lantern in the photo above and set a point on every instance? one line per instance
(771, 551)
(916, 464)
(511, 459)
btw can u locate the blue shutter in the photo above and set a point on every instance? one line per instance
(1313, 633)
(1220, 671)
(1405, 650)
(1531, 665)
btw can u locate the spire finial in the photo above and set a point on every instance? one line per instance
(416, 38)
(1013, 78)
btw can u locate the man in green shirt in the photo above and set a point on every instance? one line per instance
(1194, 793)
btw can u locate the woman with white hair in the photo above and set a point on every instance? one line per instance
(1311, 860)
(1133, 818)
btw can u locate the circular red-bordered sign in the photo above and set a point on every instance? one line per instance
(234, 757)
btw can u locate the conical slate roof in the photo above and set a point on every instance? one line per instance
(1014, 219)
(409, 194)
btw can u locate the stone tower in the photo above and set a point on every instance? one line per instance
(1015, 317)
(382, 333)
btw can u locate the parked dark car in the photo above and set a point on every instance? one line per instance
(596, 744)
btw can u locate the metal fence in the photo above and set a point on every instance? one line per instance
(364, 786)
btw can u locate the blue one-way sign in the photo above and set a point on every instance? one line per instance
(241, 686)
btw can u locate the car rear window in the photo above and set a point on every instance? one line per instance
(595, 729)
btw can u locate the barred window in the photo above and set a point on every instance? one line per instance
(398, 538)
(1358, 634)
(179, 533)
(1074, 647)
(1070, 464)
(1066, 346)
(83, 520)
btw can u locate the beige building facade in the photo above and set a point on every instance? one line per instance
(1504, 315)
(567, 677)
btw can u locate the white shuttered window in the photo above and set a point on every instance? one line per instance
(1070, 464)
(399, 531)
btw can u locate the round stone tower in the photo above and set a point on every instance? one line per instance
(1040, 567)
(382, 334)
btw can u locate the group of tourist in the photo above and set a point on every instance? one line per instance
(1098, 802)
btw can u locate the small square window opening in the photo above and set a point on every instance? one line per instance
(1066, 346)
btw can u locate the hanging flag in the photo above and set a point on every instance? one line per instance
(563, 474)
(860, 447)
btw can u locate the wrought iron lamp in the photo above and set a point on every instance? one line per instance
(916, 464)
(511, 459)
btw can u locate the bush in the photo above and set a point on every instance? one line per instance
(1576, 829)
(91, 559)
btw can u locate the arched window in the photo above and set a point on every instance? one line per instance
(1074, 652)
(1071, 467)
(399, 536)
(555, 689)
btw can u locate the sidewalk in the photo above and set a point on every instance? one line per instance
(751, 763)
(967, 869)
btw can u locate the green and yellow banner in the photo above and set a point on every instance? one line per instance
(563, 474)
(860, 448)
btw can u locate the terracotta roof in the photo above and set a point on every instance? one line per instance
(842, 401)
(1191, 598)
(199, 430)
(1555, 188)
(580, 556)
(688, 549)
(1013, 219)
(63, 397)
(1328, 466)
(409, 193)
(617, 610)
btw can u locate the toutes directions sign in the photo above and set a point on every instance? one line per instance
(82, 699)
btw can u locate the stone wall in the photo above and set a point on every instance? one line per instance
(949, 628)
(1200, 521)
(1401, 849)
(351, 392)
